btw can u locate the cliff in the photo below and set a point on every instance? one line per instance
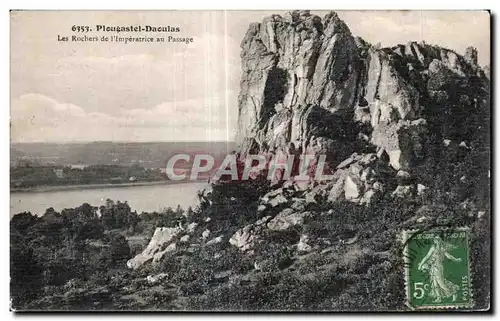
(307, 80)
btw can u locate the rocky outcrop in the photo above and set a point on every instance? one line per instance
(310, 86)
(159, 245)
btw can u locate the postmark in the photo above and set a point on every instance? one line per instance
(437, 268)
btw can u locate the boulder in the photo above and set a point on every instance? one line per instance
(157, 247)
(246, 238)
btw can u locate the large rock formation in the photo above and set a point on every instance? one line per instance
(310, 82)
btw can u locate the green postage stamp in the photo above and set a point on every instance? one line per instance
(437, 269)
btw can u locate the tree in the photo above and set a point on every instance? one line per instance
(120, 250)
(23, 221)
(25, 270)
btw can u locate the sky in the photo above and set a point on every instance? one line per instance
(95, 91)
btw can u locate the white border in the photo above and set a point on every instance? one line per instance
(190, 4)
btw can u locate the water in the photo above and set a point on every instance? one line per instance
(140, 198)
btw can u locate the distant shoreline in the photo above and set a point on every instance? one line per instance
(55, 188)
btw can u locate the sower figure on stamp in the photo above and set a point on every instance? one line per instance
(433, 262)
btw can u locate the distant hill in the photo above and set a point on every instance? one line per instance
(149, 154)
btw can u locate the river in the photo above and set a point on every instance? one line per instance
(140, 198)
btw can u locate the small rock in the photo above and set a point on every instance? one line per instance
(338, 187)
(327, 250)
(302, 185)
(208, 219)
(289, 184)
(244, 239)
(403, 174)
(184, 239)
(446, 142)
(363, 137)
(153, 279)
(351, 189)
(366, 174)
(261, 208)
(355, 169)
(316, 193)
(223, 274)
(377, 186)
(368, 197)
(302, 246)
(159, 255)
(272, 194)
(346, 162)
(368, 159)
(421, 219)
(262, 221)
(280, 199)
(205, 234)
(191, 227)
(298, 204)
(480, 214)
(284, 220)
(421, 189)
(216, 240)
(352, 240)
(403, 191)
(463, 145)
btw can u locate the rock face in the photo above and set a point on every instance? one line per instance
(160, 244)
(309, 82)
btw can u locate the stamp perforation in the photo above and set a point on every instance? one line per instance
(406, 236)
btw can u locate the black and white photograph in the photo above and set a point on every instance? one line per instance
(250, 160)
